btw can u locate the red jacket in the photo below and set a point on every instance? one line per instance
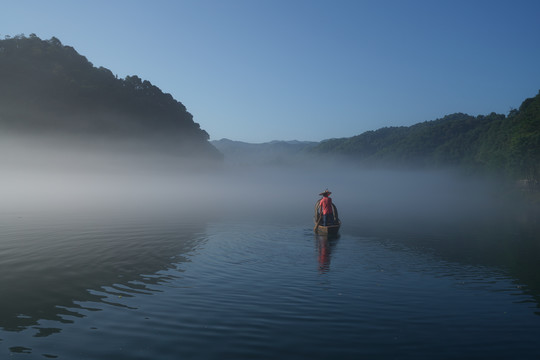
(326, 205)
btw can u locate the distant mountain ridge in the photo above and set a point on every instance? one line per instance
(47, 88)
(503, 144)
(277, 152)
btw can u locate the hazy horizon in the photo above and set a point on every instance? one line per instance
(54, 176)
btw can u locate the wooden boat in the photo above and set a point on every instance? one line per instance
(328, 230)
(332, 229)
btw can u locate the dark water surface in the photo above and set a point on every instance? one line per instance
(163, 288)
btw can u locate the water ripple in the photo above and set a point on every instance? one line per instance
(252, 291)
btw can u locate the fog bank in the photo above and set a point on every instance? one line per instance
(60, 177)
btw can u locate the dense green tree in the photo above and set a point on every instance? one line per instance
(49, 87)
(494, 143)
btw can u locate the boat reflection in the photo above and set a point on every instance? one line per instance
(325, 246)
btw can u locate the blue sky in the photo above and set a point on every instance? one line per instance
(260, 70)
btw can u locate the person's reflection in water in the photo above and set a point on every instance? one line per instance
(324, 250)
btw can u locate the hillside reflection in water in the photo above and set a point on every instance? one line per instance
(50, 265)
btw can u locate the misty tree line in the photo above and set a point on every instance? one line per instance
(48, 86)
(494, 143)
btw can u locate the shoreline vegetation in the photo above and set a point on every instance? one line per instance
(49, 89)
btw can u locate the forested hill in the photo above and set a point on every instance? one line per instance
(48, 88)
(495, 143)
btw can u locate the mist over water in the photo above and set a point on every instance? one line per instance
(55, 175)
(131, 250)
(67, 177)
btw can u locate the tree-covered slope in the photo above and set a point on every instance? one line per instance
(48, 88)
(506, 144)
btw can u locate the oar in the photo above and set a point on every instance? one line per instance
(317, 225)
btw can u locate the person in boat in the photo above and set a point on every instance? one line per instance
(325, 208)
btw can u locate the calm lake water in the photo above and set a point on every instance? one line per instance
(165, 287)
